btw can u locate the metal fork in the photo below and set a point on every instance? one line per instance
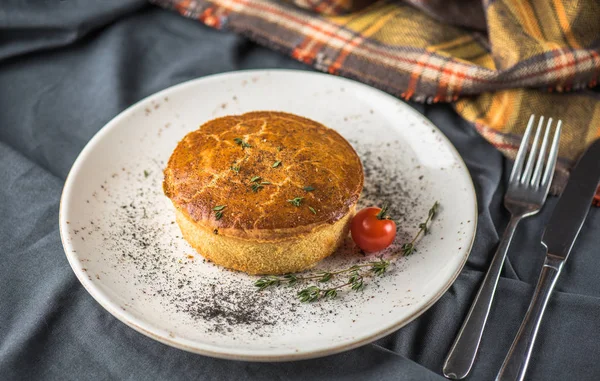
(527, 191)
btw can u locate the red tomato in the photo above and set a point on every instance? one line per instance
(371, 230)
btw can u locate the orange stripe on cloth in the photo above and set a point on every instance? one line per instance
(308, 49)
(414, 76)
(526, 16)
(527, 19)
(450, 82)
(450, 44)
(498, 113)
(565, 25)
(371, 30)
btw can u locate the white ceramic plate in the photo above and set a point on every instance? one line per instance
(120, 238)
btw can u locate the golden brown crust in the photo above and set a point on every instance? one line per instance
(199, 175)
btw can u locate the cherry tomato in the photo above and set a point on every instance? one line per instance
(371, 230)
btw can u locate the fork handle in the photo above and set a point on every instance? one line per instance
(462, 354)
(516, 361)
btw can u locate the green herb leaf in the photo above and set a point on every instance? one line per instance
(146, 173)
(296, 201)
(358, 285)
(309, 188)
(312, 210)
(408, 248)
(331, 293)
(433, 210)
(255, 178)
(267, 281)
(382, 215)
(218, 215)
(256, 187)
(235, 168)
(219, 207)
(276, 164)
(265, 183)
(380, 267)
(325, 277)
(291, 279)
(242, 143)
(309, 294)
(354, 275)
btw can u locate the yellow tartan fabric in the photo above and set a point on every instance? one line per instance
(496, 61)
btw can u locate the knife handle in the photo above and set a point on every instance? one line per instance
(516, 361)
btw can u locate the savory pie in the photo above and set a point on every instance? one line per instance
(264, 192)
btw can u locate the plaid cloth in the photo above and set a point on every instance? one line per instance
(496, 61)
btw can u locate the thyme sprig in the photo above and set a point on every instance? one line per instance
(356, 274)
(409, 247)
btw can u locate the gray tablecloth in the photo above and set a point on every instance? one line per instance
(68, 67)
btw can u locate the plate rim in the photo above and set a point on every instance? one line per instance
(202, 349)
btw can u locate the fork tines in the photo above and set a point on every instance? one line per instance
(533, 176)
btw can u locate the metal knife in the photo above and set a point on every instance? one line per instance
(558, 239)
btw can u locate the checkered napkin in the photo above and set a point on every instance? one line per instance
(496, 61)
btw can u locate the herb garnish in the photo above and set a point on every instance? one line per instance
(409, 247)
(356, 273)
(296, 201)
(146, 173)
(219, 211)
(276, 164)
(382, 215)
(256, 185)
(236, 168)
(312, 210)
(309, 188)
(242, 143)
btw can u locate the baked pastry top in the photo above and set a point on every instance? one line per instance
(263, 175)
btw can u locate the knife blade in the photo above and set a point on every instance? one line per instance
(574, 204)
